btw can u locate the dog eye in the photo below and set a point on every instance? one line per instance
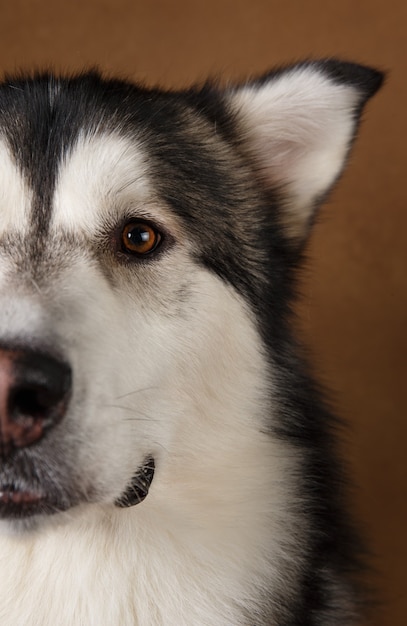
(140, 238)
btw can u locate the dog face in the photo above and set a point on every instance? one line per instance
(147, 248)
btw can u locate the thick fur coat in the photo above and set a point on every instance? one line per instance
(165, 458)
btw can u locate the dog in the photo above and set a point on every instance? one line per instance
(165, 456)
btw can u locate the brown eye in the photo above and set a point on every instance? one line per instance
(139, 238)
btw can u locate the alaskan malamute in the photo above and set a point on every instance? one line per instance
(165, 458)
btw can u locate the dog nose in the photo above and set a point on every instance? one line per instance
(34, 393)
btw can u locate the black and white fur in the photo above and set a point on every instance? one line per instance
(184, 357)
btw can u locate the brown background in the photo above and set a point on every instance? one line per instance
(354, 305)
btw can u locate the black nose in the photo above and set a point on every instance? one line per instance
(34, 394)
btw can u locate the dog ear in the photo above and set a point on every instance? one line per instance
(297, 125)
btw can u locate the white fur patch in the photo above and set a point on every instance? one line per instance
(101, 177)
(15, 197)
(298, 128)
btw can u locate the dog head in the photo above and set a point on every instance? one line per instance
(148, 241)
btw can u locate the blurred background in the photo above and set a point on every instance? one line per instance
(353, 309)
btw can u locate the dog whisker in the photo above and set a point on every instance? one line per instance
(35, 285)
(140, 419)
(137, 391)
(146, 417)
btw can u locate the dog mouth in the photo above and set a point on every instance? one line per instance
(20, 499)
(10, 496)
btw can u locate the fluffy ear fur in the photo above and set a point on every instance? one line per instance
(298, 124)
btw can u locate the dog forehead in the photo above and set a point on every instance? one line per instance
(15, 195)
(101, 177)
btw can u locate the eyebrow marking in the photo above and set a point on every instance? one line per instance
(100, 175)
